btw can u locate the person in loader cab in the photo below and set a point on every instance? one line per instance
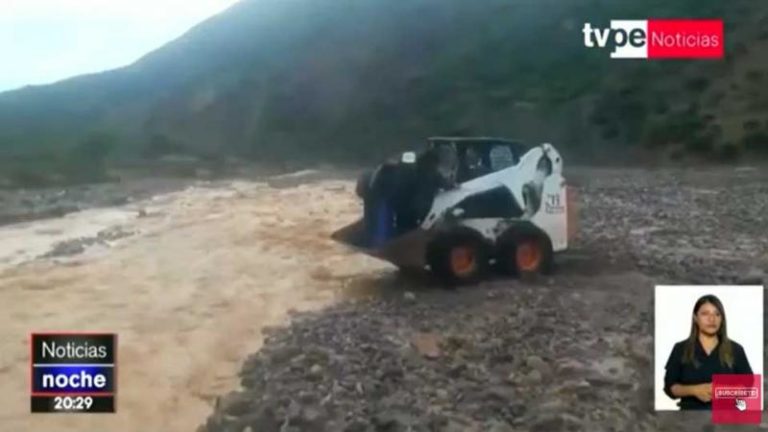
(430, 178)
(399, 194)
(474, 166)
(387, 195)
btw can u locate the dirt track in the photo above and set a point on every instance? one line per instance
(197, 275)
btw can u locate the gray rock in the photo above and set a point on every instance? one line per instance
(298, 360)
(356, 425)
(550, 406)
(641, 348)
(533, 377)
(311, 419)
(307, 397)
(453, 426)
(235, 403)
(316, 371)
(294, 410)
(574, 386)
(392, 421)
(457, 369)
(68, 248)
(537, 363)
(754, 276)
(554, 422)
(262, 420)
(497, 426)
(499, 393)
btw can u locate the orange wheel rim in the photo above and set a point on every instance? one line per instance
(463, 260)
(529, 255)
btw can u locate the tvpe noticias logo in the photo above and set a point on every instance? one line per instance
(658, 39)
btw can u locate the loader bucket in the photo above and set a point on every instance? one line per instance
(405, 251)
(352, 235)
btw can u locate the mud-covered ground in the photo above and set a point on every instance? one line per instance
(573, 351)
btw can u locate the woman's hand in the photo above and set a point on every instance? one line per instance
(702, 392)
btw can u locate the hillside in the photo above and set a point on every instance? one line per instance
(352, 81)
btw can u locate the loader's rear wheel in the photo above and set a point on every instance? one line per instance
(458, 258)
(464, 261)
(526, 253)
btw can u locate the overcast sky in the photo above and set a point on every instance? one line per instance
(43, 41)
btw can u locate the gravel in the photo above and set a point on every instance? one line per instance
(700, 226)
(79, 245)
(569, 352)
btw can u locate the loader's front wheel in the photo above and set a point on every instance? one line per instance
(458, 258)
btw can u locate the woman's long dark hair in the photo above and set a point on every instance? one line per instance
(726, 348)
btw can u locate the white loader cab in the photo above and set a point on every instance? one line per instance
(464, 204)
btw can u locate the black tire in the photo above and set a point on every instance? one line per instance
(511, 256)
(442, 257)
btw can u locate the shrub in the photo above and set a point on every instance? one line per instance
(700, 143)
(86, 162)
(751, 125)
(756, 141)
(729, 152)
(754, 75)
(27, 178)
(697, 84)
(160, 145)
(660, 106)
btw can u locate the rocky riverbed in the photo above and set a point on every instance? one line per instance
(573, 351)
(19, 205)
(700, 226)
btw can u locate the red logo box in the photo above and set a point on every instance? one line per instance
(736, 399)
(686, 39)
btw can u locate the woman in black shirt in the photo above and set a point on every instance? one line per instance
(707, 351)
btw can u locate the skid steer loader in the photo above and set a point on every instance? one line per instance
(463, 205)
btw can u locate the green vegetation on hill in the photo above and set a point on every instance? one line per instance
(85, 162)
(323, 80)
